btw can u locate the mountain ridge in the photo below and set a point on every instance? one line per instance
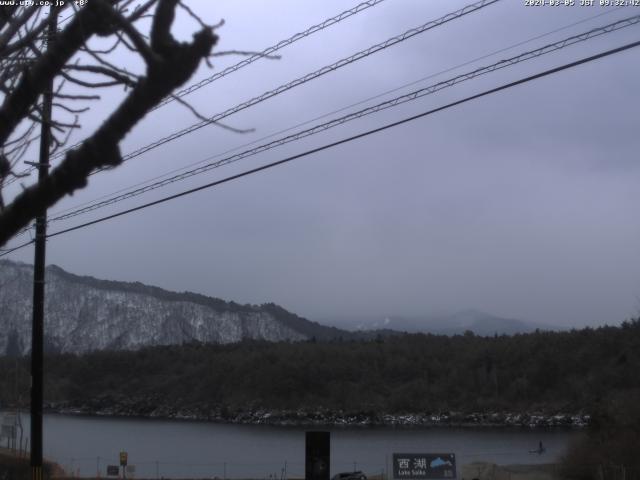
(84, 313)
(457, 323)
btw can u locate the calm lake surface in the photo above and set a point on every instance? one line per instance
(174, 448)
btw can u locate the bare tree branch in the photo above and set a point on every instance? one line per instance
(246, 53)
(141, 10)
(14, 27)
(76, 97)
(171, 64)
(109, 50)
(33, 81)
(199, 116)
(67, 108)
(191, 13)
(138, 42)
(83, 83)
(24, 41)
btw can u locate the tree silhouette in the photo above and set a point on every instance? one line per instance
(75, 58)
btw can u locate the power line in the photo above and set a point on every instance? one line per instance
(306, 122)
(361, 113)
(318, 73)
(8, 251)
(469, 62)
(307, 78)
(271, 50)
(345, 61)
(249, 60)
(339, 142)
(354, 137)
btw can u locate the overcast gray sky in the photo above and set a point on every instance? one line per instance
(522, 204)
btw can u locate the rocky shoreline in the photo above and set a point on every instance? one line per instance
(148, 408)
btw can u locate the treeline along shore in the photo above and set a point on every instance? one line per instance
(537, 379)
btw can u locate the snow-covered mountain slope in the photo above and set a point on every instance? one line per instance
(84, 314)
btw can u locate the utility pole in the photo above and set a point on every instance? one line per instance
(37, 332)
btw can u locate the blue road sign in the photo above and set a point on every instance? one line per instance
(424, 466)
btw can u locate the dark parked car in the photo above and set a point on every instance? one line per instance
(358, 475)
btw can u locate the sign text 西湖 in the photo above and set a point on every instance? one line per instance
(424, 466)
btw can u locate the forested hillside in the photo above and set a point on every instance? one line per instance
(546, 371)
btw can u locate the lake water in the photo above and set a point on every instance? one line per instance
(174, 448)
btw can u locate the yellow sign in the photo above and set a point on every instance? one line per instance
(123, 459)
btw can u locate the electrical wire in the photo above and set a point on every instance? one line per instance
(247, 61)
(271, 50)
(253, 142)
(361, 113)
(353, 137)
(8, 251)
(304, 79)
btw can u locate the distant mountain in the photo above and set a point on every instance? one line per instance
(479, 323)
(84, 314)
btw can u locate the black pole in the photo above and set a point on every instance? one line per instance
(317, 455)
(37, 332)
